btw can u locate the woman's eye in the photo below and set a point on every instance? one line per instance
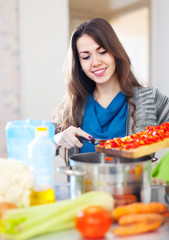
(103, 52)
(84, 58)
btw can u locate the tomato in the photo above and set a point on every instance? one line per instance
(93, 222)
(4, 206)
(107, 158)
(151, 135)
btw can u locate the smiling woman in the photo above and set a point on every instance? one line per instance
(104, 99)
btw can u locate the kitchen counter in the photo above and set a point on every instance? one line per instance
(161, 233)
(157, 194)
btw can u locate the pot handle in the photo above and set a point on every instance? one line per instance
(71, 172)
(154, 159)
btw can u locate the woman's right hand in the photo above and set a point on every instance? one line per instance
(157, 181)
(68, 138)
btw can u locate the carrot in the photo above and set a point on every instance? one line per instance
(125, 199)
(4, 206)
(140, 217)
(136, 228)
(165, 214)
(122, 202)
(124, 196)
(153, 207)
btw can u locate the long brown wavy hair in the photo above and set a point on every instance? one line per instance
(79, 85)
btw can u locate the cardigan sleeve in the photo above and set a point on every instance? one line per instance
(152, 108)
(162, 106)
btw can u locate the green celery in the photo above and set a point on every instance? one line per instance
(29, 212)
(49, 220)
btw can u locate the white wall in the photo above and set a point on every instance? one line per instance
(160, 45)
(44, 33)
(117, 4)
(9, 68)
(132, 29)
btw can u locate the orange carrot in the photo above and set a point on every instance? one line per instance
(140, 217)
(124, 196)
(136, 228)
(120, 200)
(165, 214)
(153, 207)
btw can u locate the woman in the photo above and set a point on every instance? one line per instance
(104, 99)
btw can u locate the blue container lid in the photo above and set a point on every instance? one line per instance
(22, 128)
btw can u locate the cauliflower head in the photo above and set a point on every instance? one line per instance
(16, 182)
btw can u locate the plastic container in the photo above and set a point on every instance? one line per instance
(41, 153)
(20, 133)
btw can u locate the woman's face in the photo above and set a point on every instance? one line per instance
(98, 64)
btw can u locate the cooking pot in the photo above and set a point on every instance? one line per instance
(116, 175)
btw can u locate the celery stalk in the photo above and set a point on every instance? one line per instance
(29, 212)
(60, 215)
(55, 210)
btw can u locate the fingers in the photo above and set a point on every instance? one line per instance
(68, 138)
(84, 134)
(71, 139)
(156, 181)
(64, 140)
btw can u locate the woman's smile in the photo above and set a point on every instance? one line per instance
(99, 72)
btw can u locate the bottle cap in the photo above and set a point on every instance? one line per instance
(41, 131)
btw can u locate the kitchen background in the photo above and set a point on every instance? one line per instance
(34, 38)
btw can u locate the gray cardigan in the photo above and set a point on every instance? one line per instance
(152, 108)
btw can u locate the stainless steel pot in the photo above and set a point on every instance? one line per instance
(116, 175)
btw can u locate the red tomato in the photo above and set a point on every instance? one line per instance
(93, 222)
(108, 158)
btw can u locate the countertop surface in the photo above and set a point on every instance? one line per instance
(157, 194)
(160, 234)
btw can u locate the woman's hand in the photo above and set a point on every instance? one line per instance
(68, 138)
(157, 181)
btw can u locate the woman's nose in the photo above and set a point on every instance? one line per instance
(96, 61)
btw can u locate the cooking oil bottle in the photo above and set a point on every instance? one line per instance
(41, 153)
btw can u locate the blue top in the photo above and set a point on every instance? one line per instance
(104, 123)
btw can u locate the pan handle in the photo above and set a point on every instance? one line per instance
(71, 172)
